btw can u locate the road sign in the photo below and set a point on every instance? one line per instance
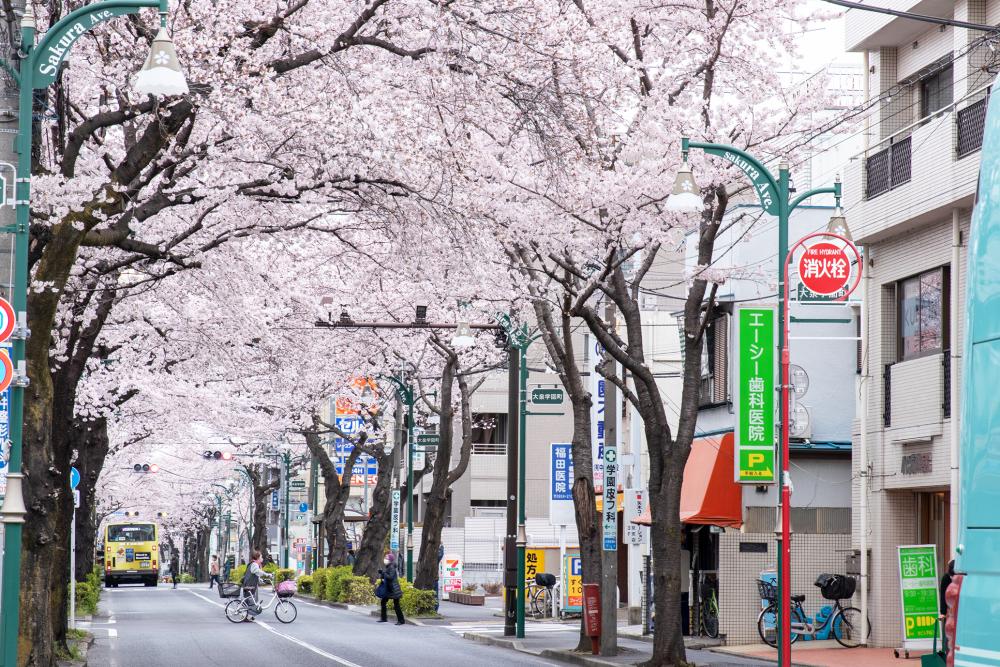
(542, 396)
(7, 317)
(298, 483)
(918, 580)
(6, 370)
(74, 478)
(427, 440)
(76, 498)
(561, 509)
(394, 533)
(824, 268)
(303, 507)
(755, 342)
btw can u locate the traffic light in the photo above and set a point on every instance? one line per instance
(223, 456)
(145, 467)
(132, 514)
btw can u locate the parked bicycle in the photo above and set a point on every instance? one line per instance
(542, 594)
(245, 604)
(839, 622)
(709, 611)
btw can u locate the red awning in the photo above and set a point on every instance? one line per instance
(709, 496)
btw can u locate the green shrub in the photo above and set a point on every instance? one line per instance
(319, 582)
(304, 583)
(86, 598)
(283, 574)
(335, 582)
(236, 575)
(187, 578)
(358, 590)
(417, 602)
(271, 568)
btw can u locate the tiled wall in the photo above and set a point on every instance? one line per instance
(739, 601)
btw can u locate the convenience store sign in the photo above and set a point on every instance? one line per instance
(755, 404)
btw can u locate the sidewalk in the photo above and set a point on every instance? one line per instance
(541, 645)
(827, 653)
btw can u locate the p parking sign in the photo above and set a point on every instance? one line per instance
(918, 581)
(755, 399)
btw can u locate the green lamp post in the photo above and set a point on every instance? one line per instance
(775, 198)
(37, 68)
(405, 394)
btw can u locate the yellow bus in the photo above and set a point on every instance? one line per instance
(131, 553)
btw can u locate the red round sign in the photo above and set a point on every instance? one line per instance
(6, 371)
(7, 319)
(824, 268)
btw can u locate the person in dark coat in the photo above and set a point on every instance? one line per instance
(393, 591)
(175, 568)
(945, 582)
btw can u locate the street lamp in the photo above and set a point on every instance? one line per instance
(37, 68)
(774, 194)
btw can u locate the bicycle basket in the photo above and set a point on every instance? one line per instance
(836, 586)
(767, 590)
(229, 590)
(285, 589)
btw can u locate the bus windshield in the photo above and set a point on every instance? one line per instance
(142, 532)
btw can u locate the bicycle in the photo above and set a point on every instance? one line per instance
(843, 623)
(709, 611)
(540, 594)
(246, 605)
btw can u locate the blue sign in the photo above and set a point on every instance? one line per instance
(303, 507)
(562, 471)
(351, 424)
(74, 478)
(274, 500)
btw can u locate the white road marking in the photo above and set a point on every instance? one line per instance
(112, 632)
(305, 645)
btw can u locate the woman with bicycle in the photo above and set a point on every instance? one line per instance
(252, 579)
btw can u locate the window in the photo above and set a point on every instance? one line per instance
(936, 91)
(715, 362)
(923, 314)
(132, 533)
(489, 433)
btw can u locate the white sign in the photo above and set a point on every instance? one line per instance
(597, 421)
(418, 461)
(561, 510)
(451, 574)
(635, 505)
(394, 535)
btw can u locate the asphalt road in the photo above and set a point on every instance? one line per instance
(153, 627)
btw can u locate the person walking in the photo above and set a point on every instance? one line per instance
(393, 591)
(175, 568)
(213, 572)
(227, 567)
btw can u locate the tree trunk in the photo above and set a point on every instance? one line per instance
(337, 492)
(373, 542)
(92, 446)
(262, 502)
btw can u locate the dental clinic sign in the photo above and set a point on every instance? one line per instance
(755, 397)
(55, 46)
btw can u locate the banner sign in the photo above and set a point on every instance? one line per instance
(597, 423)
(534, 563)
(349, 421)
(4, 439)
(918, 581)
(610, 509)
(755, 404)
(394, 535)
(635, 505)
(572, 588)
(561, 510)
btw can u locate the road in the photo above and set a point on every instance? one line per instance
(155, 627)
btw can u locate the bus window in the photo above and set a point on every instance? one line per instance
(132, 533)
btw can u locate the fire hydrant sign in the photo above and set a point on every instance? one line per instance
(755, 401)
(824, 268)
(918, 581)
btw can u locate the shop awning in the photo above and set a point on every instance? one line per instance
(709, 496)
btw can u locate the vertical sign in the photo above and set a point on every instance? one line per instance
(4, 438)
(597, 422)
(274, 499)
(610, 509)
(918, 581)
(534, 563)
(573, 585)
(394, 535)
(635, 505)
(755, 404)
(451, 574)
(561, 476)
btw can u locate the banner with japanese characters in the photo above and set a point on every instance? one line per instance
(756, 368)
(561, 509)
(918, 582)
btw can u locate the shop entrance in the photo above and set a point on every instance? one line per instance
(934, 523)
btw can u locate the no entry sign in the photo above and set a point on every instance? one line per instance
(824, 268)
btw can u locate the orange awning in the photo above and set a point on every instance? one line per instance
(709, 495)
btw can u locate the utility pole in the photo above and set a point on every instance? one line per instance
(609, 553)
(287, 460)
(510, 544)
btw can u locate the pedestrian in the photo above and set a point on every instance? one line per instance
(213, 572)
(175, 568)
(351, 557)
(946, 579)
(227, 567)
(392, 590)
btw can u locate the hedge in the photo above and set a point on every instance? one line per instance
(358, 590)
(417, 602)
(87, 596)
(283, 574)
(304, 583)
(236, 574)
(335, 577)
(319, 582)
(187, 578)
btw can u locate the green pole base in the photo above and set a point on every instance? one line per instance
(520, 593)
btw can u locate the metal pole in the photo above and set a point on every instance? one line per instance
(510, 549)
(784, 544)
(409, 483)
(287, 458)
(609, 557)
(72, 572)
(522, 536)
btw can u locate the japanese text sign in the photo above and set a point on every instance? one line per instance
(918, 580)
(534, 563)
(824, 268)
(561, 510)
(394, 531)
(755, 402)
(451, 574)
(610, 508)
(572, 583)
(635, 505)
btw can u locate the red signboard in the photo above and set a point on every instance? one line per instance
(824, 268)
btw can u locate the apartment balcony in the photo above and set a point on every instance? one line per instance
(919, 174)
(870, 30)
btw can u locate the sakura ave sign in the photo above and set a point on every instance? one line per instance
(824, 268)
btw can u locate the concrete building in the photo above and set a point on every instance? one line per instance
(909, 196)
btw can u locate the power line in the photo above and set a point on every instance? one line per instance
(916, 17)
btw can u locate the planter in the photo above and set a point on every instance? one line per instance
(467, 598)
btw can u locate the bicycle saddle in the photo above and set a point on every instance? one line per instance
(798, 598)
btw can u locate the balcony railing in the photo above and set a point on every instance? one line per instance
(888, 168)
(970, 121)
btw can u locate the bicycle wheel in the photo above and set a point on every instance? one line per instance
(710, 620)
(767, 628)
(286, 611)
(236, 612)
(848, 628)
(540, 602)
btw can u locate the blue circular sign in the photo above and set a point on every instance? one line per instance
(303, 507)
(74, 478)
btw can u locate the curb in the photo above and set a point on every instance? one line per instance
(720, 650)
(563, 655)
(83, 645)
(577, 658)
